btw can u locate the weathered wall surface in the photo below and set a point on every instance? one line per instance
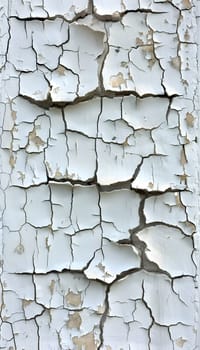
(99, 176)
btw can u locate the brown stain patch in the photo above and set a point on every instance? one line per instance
(61, 70)
(13, 115)
(86, 342)
(191, 226)
(26, 302)
(36, 139)
(74, 321)
(183, 178)
(176, 62)
(190, 120)
(180, 342)
(183, 157)
(139, 42)
(73, 298)
(187, 35)
(117, 80)
(12, 161)
(186, 4)
(148, 52)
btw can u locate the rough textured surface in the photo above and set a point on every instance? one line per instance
(99, 174)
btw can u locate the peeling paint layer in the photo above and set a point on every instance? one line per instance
(98, 175)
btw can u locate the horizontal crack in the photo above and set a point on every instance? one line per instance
(48, 103)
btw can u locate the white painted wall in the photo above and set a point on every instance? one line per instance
(99, 181)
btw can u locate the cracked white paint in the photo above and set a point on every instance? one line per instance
(99, 113)
(161, 247)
